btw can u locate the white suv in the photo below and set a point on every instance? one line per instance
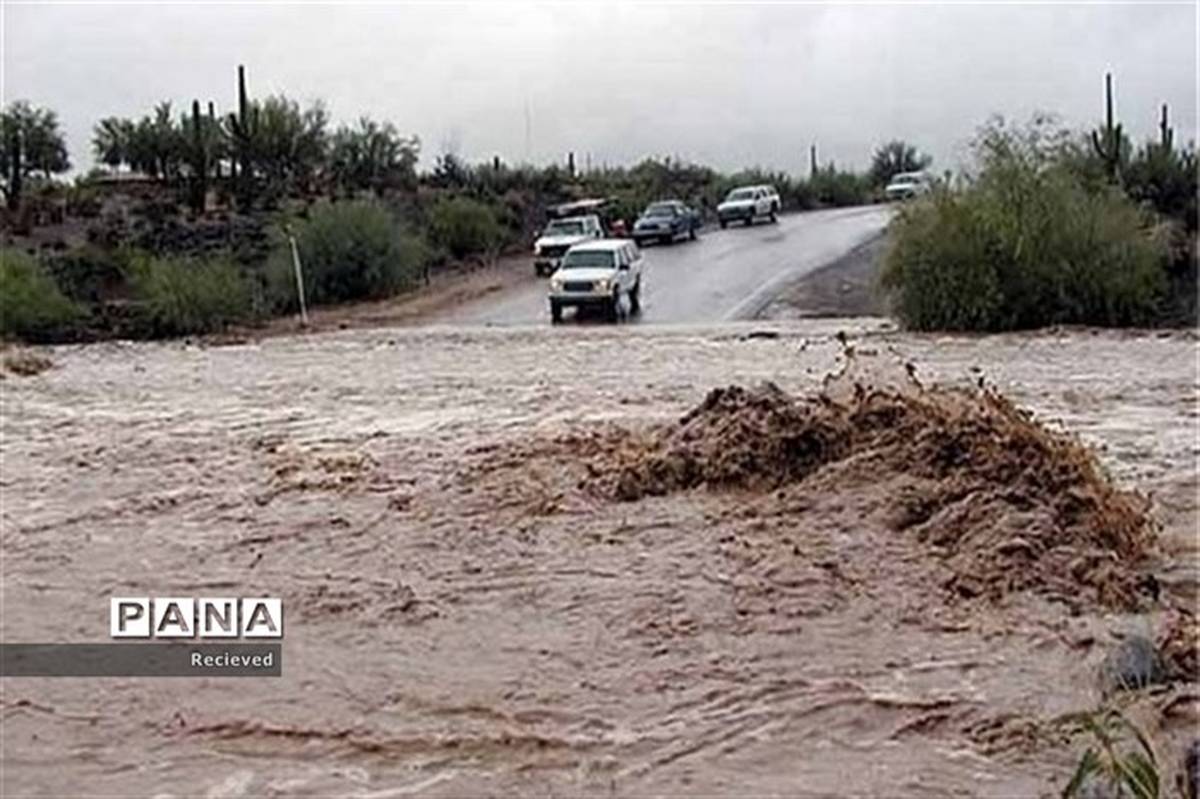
(596, 274)
(748, 202)
(559, 236)
(907, 184)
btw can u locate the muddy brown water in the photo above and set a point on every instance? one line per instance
(462, 618)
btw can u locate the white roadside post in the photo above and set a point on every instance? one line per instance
(299, 280)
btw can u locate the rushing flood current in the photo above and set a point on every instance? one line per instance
(464, 616)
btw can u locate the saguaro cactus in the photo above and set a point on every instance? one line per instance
(198, 160)
(16, 168)
(1108, 140)
(1166, 135)
(214, 133)
(242, 128)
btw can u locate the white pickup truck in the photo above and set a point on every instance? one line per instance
(747, 203)
(597, 274)
(561, 235)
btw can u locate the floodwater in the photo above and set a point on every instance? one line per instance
(466, 617)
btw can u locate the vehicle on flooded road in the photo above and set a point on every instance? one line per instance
(597, 275)
(905, 185)
(666, 221)
(748, 203)
(561, 235)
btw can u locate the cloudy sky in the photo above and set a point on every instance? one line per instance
(729, 85)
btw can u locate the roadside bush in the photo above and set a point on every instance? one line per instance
(182, 296)
(1025, 244)
(348, 251)
(32, 307)
(462, 227)
(86, 274)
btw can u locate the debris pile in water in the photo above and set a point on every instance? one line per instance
(1009, 503)
(1179, 643)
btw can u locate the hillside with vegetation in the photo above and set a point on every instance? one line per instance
(186, 224)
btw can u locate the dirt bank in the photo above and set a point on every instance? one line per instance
(469, 613)
(447, 290)
(844, 288)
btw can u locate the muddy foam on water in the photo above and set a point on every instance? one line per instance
(1008, 502)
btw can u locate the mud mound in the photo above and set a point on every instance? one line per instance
(1010, 503)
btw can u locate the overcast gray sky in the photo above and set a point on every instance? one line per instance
(727, 85)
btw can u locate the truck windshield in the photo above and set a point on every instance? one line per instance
(565, 228)
(661, 209)
(741, 194)
(588, 259)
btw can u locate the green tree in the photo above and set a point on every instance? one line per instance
(895, 157)
(154, 145)
(30, 144)
(288, 145)
(111, 140)
(372, 156)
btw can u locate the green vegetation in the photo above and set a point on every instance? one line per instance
(1033, 239)
(464, 227)
(31, 305)
(30, 144)
(183, 296)
(349, 251)
(372, 157)
(1120, 761)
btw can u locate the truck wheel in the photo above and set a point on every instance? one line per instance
(613, 310)
(724, 224)
(773, 217)
(635, 298)
(750, 220)
(555, 312)
(692, 233)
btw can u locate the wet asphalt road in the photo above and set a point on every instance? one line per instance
(723, 275)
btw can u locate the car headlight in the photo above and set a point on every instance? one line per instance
(537, 249)
(602, 286)
(556, 285)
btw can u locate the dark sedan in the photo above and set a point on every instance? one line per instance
(666, 221)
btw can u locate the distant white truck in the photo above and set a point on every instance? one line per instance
(561, 235)
(908, 184)
(747, 203)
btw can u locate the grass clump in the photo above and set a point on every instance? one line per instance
(32, 307)
(1026, 243)
(184, 296)
(1120, 761)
